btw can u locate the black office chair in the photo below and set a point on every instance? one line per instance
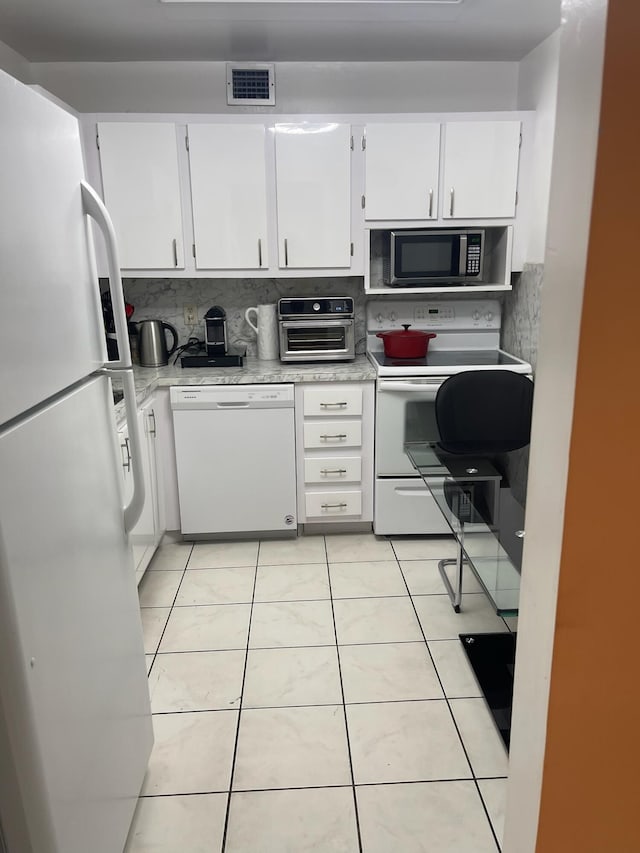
(480, 414)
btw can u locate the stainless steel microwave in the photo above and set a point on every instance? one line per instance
(435, 257)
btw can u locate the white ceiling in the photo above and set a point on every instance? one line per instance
(118, 30)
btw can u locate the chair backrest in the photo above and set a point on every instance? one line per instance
(484, 412)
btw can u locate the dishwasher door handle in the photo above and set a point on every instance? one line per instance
(232, 405)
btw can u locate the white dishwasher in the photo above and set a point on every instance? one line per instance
(235, 454)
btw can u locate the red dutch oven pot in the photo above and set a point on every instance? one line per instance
(408, 343)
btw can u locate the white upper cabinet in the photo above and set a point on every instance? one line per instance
(140, 179)
(480, 169)
(313, 191)
(401, 171)
(229, 195)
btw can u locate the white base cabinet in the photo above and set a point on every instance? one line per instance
(147, 533)
(334, 440)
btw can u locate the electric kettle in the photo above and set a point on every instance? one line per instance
(152, 342)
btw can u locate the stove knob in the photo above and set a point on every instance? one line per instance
(488, 316)
(316, 306)
(393, 316)
(379, 318)
(476, 315)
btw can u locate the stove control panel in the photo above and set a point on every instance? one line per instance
(434, 314)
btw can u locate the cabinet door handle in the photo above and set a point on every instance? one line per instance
(127, 463)
(430, 203)
(174, 244)
(259, 251)
(152, 418)
(339, 436)
(327, 471)
(451, 196)
(286, 252)
(333, 506)
(326, 405)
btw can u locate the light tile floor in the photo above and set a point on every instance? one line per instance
(312, 695)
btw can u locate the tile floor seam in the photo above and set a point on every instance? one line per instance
(244, 675)
(486, 811)
(462, 743)
(344, 707)
(155, 654)
(316, 705)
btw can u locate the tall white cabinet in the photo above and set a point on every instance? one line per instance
(313, 193)
(141, 185)
(480, 169)
(229, 195)
(402, 163)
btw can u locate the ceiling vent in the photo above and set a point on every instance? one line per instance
(251, 83)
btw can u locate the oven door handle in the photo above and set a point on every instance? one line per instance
(318, 322)
(420, 386)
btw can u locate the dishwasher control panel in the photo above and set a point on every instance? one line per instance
(231, 396)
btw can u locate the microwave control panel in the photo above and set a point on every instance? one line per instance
(473, 255)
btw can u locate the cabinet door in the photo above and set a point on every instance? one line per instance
(143, 535)
(401, 171)
(229, 197)
(480, 169)
(139, 163)
(313, 168)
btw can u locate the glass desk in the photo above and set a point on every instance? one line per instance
(474, 497)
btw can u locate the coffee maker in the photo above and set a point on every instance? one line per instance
(215, 331)
(219, 353)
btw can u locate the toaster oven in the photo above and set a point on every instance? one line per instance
(316, 329)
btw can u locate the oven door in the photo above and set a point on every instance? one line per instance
(316, 340)
(405, 411)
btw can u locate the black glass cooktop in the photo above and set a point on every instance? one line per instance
(450, 358)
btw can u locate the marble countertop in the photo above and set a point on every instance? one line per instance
(254, 370)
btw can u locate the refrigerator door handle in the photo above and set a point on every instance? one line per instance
(94, 207)
(133, 510)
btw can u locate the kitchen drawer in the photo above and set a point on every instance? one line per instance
(332, 504)
(333, 434)
(333, 470)
(335, 400)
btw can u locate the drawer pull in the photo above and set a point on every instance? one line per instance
(340, 405)
(326, 471)
(333, 506)
(338, 436)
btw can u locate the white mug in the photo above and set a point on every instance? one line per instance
(266, 328)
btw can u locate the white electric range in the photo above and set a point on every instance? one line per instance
(467, 338)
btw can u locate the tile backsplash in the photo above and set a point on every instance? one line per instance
(521, 315)
(164, 299)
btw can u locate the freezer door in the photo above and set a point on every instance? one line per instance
(51, 331)
(73, 682)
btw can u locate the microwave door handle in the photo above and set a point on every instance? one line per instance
(462, 266)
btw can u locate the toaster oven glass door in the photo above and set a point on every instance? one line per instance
(311, 339)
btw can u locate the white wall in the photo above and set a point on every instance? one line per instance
(332, 87)
(574, 157)
(537, 90)
(15, 64)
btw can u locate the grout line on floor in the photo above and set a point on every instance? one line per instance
(155, 653)
(447, 700)
(244, 675)
(344, 707)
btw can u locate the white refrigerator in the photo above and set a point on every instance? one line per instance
(75, 721)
